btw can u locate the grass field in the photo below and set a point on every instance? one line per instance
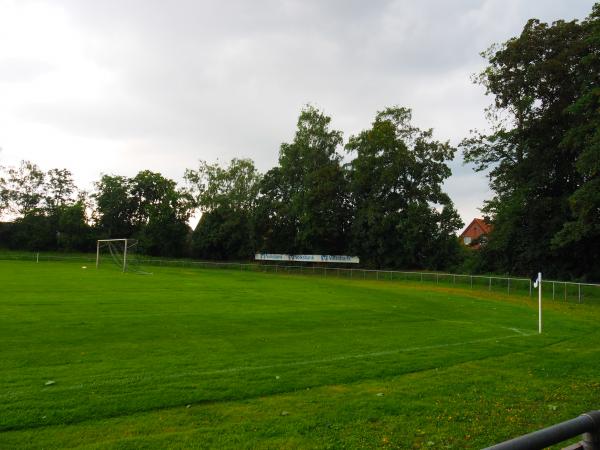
(188, 358)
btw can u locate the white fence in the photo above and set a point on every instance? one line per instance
(552, 289)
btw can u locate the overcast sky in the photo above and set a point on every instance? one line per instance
(117, 86)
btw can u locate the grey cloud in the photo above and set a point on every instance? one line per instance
(21, 70)
(217, 79)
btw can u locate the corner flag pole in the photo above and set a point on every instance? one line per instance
(125, 259)
(538, 284)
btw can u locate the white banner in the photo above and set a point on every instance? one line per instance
(307, 258)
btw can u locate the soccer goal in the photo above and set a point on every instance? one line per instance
(121, 253)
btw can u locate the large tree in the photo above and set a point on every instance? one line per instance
(543, 150)
(60, 189)
(402, 217)
(160, 214)
(303, 205)
(148, 207)
(25, 188)
(226, 197)
(114, 207)
(581, 234)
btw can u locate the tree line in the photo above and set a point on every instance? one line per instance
(386, 204)
(379, 194)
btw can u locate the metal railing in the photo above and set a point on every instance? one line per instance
(564, 291)
(587, 424)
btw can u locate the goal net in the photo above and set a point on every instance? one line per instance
(120, 252)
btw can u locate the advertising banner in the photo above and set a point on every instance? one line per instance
(307, 258)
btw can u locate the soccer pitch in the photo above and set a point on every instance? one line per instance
(189, 358)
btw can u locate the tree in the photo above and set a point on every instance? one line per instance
(160, 214)
(581, 234)
(60, 189)
(4, 193)
(544, 117)
(303, 204)
(34, 231)
(226, 197)
(114, 207)
(402, 218)
(147, 207)
(74, 232)
(25, 188)
(276, 227)
(214, 186)
(224, 233)
(43, 202)
(59, 197)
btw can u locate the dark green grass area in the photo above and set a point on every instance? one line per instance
(222, 358)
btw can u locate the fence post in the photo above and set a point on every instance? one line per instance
(508, 286)
(490, 285)
(471, 281)
(565, 291)
(579, 291)
(553, 290)
(591, 440)
(530, 287)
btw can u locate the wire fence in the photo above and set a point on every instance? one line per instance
(563, 291)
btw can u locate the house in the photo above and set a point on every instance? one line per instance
(472, 235)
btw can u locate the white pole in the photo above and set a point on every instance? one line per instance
(97, 253)
(540, 301)
(37, 257)
(125, 256)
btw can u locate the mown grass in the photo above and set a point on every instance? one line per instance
(189, 358)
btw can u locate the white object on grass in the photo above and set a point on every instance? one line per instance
(538, 284)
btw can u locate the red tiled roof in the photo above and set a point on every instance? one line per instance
(484, 228)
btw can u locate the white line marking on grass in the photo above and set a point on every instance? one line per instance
(517, 330)
(361, 355)
(137, 378)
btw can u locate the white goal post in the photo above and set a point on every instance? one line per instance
(127, 243)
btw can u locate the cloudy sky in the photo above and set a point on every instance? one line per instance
(116, 86)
